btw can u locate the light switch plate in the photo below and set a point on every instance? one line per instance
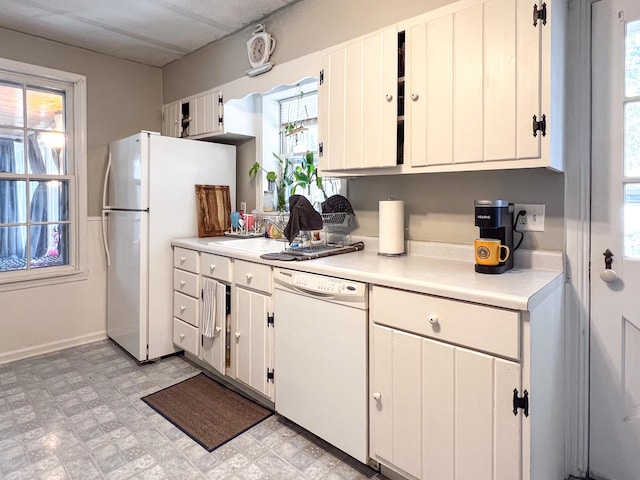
(533, 221)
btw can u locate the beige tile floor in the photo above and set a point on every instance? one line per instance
(77, 414)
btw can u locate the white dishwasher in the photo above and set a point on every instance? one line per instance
(320, 328)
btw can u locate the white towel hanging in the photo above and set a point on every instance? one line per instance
(208, 311)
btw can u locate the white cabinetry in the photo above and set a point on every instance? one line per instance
(171, 120)
(441, 391)
(358, 104)
(252, 337)
(242, 343)
(475, 89)
(185, 299)
(194, 116)
(473, 85)
(205, 116)
(218, 269)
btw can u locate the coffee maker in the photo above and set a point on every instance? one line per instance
(495, 219)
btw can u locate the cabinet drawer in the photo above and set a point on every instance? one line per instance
(252, 275)
(478, 327)
(185, 259)
(185, 336)
(185, 282)
(185, 308)
(215, 266)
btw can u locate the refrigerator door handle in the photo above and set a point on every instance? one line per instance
(106, 184)
(105, 243)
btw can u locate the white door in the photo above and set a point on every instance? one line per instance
(251, 342)
(128, 173)
(615, 306)
(442, 411)
(127, 300)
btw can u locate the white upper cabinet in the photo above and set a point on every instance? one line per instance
(479, 85)
(198, 116)
(171, 119)
(473, 82)
(358, 104)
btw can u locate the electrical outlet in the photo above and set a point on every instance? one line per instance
(533, 221)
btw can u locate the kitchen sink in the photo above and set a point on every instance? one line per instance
(258, 244)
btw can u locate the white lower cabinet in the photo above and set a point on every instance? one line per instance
(442, 412)
(252, 340)
(252, 335)
(215, 277)
(240, 345)
(439, 410)
(185, 300)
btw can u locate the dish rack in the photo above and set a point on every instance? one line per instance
(335, 232)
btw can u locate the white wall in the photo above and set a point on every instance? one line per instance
(122, 97)
(44, 319)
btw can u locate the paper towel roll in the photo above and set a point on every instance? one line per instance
(391, 227)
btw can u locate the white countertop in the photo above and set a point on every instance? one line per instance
(453, 276)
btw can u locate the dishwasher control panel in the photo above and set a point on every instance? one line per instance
(329, 288)
(324, 284)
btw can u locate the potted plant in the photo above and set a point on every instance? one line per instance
(306, 174)
(281, 181)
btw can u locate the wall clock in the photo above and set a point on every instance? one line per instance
(259, 47)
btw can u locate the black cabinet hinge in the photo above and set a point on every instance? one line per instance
(270, 375)
(220, 119)
(270, 319)
(539, 14)
(320, 149)
(220, 99)
(520, 402)
(540, 126)
(321, 76)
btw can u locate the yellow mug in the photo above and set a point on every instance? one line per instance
(488, 251)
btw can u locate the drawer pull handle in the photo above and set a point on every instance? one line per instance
(182, 308)
(182, 283)
(249, 277)
(433, 320)
(237, 334)
(212, 267)
(377, 396)
(182, 336)
(183, 259)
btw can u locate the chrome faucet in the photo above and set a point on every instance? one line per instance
(279, 223)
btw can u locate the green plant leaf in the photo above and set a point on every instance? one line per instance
(253, 171)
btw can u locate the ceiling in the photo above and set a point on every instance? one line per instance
(152, 32)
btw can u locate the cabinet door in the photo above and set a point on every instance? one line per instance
(171, 119)
(395, 412)
(358, 104)
(208, 114)
(468, 426)
(252, 340)
(473, 82)
(440, 411)
(214, 349)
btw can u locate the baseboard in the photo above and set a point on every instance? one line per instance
(51, 347)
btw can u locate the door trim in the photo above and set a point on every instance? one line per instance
(577, 218)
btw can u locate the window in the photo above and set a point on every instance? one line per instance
(632, 141)
(299, 147)
(42, 174)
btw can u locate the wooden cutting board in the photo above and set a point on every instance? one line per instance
(213, 204)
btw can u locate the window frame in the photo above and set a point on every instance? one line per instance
(76, 149)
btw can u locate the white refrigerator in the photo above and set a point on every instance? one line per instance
(148, 199)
